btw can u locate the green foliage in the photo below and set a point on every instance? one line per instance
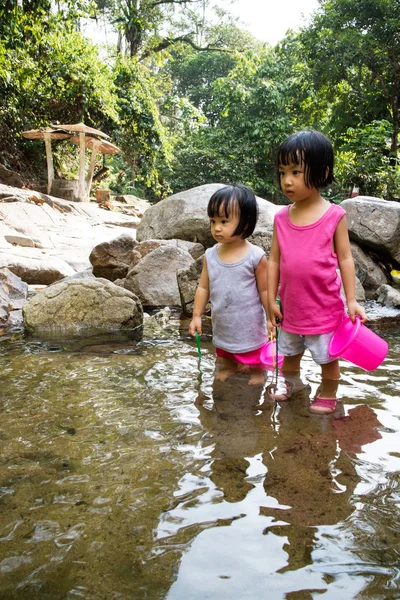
(200, 102)
(70, 82)
(21, 22)
(141, 135)
(253, 108)
(352, 50)
(59, 79)
(28, 21)
(146, 25)
(357, 44)
(193, 74)
(364, 160)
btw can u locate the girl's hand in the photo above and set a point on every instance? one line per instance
(195, 325)
(274, 314)
(353, 308)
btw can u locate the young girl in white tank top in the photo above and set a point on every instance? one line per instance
(234, 280)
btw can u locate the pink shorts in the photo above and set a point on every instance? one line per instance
(254, 357)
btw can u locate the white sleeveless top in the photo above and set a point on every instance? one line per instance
(238, 317)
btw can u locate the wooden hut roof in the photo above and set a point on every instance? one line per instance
(81, 128)
(37, 134)
(103, 146)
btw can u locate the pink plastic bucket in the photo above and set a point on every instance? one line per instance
(358, 344)
(268, 355)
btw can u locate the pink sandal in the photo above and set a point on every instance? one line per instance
(323, 406)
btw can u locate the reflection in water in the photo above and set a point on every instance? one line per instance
(232, 425)
(286, 464)
(126, 473)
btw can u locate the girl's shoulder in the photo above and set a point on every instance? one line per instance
(283, 209)
(337, 209)
(211, 254)
(282, 213)
(335, 212)
(212, 250)
(257, 250)
(255, 254)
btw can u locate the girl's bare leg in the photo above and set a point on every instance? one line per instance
(257, 376)
(291, 364)
(291, 372)
(225, 368)
(331, 371)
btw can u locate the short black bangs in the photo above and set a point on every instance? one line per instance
(232, 200)
(222, 205)
(313, 150)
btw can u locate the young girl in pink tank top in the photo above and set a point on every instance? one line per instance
(310, 242)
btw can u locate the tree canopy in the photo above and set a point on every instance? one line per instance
(191, 97)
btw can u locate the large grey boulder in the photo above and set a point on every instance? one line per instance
(388, 296)
(367, 271)
(188, 280)
(181, 216)
(184, 216)
(82, 307)
(111, 260)
(374, 224)
(35, 269)
(13, 294)
(144, 248)
(154, 280)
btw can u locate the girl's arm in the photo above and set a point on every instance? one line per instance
(273, 270)
(261, 280)
(347, 270)
(200, 300)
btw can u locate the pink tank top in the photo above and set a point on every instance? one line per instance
(309, 282)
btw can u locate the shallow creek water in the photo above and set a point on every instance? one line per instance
(126, 472)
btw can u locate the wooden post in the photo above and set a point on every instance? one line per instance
(49, 157)
(82, 150)
(91, 167)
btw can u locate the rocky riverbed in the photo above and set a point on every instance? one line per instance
(105, 266)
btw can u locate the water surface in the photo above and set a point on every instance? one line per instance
(126, 472)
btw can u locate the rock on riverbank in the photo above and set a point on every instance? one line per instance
(44, 239)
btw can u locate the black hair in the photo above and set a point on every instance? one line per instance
(314, 150)
(235, 197)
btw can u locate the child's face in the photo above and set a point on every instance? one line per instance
(223, 227)
(292, 180)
